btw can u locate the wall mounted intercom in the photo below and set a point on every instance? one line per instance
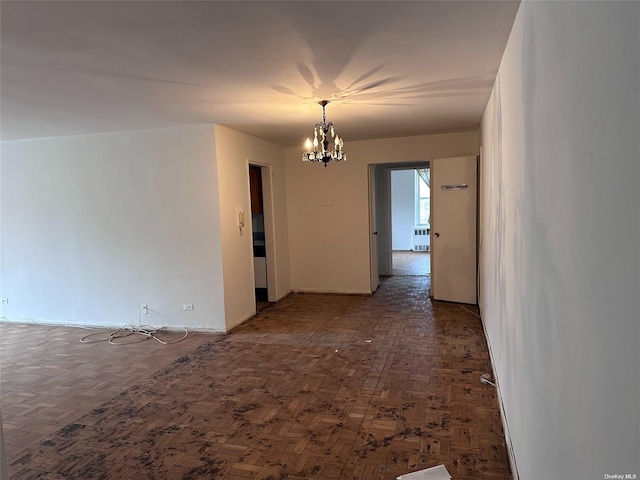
(240, 219)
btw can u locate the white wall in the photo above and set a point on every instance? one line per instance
(560, 238)
(234, 152)
(403, 208)
(329, 244)
(94, 226)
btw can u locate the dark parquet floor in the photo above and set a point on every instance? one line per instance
(318, 386)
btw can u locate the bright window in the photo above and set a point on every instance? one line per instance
(423, 197)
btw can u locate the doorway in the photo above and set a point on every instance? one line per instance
(410, 217)
(256, 188)
(380, 217)
(452, 225)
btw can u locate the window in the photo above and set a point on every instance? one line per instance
(423, 197)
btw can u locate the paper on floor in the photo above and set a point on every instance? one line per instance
(439, 472)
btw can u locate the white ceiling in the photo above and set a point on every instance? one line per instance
(391, 68)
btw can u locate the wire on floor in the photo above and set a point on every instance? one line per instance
(486, 378)
(140, 333)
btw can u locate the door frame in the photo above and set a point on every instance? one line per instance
(386, 209)
(373, 231)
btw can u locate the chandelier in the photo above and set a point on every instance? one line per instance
(321, 152)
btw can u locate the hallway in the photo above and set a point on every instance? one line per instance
(319, 386)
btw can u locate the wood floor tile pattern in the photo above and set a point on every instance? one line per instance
(49, 379)
(319, 386)
(410, 263)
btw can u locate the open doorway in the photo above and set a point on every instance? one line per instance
(259, 237)
(410, 221)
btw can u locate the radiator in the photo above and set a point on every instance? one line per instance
(420, 239)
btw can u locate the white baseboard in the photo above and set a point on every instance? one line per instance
(101, 326)
(505, 424)
(329, 292)
(59, 323)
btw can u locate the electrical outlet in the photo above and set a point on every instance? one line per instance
(187, 306)
(5, 300)
(144, 309)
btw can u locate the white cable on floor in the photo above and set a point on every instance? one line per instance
(486, 378)
(143, 332)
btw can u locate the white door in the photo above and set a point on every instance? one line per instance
(453, 229)
(373, 230)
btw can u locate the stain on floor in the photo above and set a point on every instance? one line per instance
(321, 386)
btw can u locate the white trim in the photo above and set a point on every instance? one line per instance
(330, 292)
(505, 425)
(100, 326)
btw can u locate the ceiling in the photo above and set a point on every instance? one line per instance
(390, 68)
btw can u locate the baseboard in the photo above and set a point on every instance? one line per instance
(505, 424)
(102, 326)
(329, 292)
(283, 296)
(60, 323)
(192, 329)
(241, 322)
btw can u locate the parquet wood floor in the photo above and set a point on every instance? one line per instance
(411, 263)
(48, 378)
(319, 386)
